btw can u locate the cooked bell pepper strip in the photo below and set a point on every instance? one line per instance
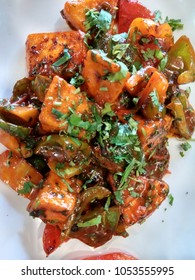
(128, 11)
(181, 59)
(147, 27)
(97, 226)
(134, 83)
(152, 97)
(21, 88)
(51, 238)
(91, 194)
(64, 170)
(67, 147)
(183, 115)
(66, 156)
(40, 85)
(15, 130)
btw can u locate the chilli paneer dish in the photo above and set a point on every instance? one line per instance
(86, 130)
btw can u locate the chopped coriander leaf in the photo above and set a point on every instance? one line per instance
(104, 20)
(91, 19)
(62, 60)
(27, 187)
(158, 16)
(77, 80)
(107, 110)
(119, 50)
(134, 194)
(163, 63)
(59, 115)
(103, 89)
(148, 54)
(126, 173)
(175, 24)
(118, 196)
(154, 98)
(120, 74)
(186, 146)
(107, 204)
(120, 37)
(171, 199)
(101, 20)
(76, 120)
(93, 222)
(159, 54)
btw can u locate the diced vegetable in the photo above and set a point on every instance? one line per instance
(147, 27)
(45, 49)
(130, 10)
(141, 198)
(54, 202)
(74, 11)
(181, 60)
(184, 116)
(51, 238)
(20, 115)
(15, 130)
(19, 174)
(66, 109)
(106, 79)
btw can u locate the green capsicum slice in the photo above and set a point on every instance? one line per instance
(181, 60)
(184, 115)
(15, 130)
(97, 226)
(67, 156)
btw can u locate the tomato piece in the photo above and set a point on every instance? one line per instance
(128, 11)
(111, 256)
(51, 238)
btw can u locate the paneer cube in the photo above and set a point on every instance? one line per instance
(96, 71)
(141, 198)
(152, 132)
(74, 11)
(20, 175)
(44, 49)
(66, 109)
(54, 202)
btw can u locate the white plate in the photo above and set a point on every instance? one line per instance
(166, 234)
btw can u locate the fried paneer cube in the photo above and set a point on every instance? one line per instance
(74, 10)
(19, 174)
(44, 49)
(97, 70)
(54, 202)
(66, 109)
(152, 132)
(142, 197)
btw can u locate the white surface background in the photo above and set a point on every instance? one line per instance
(166, 234)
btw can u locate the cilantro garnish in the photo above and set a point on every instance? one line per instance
(171, 199)
(115, 77)
(27, 187)
(185, 147)
(93, 222)
(101, 20)
(77, 80)
(155, 98)
(62, 60)
(175, 24)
